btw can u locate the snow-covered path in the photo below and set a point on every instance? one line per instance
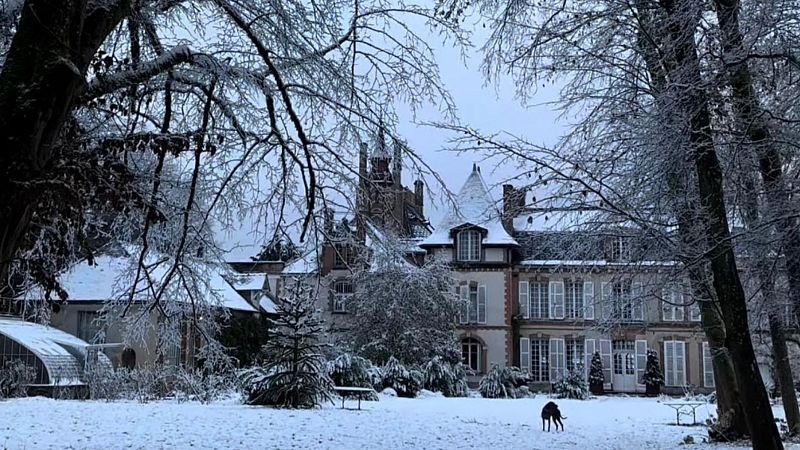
(392, 423)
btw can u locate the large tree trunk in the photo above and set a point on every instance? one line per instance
(750, 119)
(731, 425)
(687, 85)
(43, 75)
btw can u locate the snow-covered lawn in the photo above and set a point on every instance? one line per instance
(392, 423)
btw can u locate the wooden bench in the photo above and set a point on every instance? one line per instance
(350, 391)
(683, 408)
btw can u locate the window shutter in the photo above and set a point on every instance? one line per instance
(605, 356)
(678, 299)
(556, 299)
(708, 367)
(557, 359)
(524, 299)
(666, 308)
(606, 300)
(637, 297)
(641, 360)
(525, 354)
(482, 303)
(463, 294)
(669, 364)
(694, 312)
(680, 362)
(588, 300)
(588, 354)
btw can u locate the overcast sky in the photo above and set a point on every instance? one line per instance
(489, 107)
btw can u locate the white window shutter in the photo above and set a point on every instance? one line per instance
(666, 308)
(680, 362)
(606, 301)
(524, 299)
(563, 354)
(482, 303)
(588, 300)
(637, 297)
(553, 361)
(589, 350)
(694, 311)
(678, 300)
(525, 354)
(641, 360)
(669, 363)
(605, 356)
(463, 294)
(556, 299)
(708, 366)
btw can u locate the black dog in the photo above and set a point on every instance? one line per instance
(551, 412)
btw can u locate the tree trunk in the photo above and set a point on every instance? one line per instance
(688, 86)
(43, 74)
(731, 425)
(749, 118)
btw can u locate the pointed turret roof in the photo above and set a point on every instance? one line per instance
(473, 206)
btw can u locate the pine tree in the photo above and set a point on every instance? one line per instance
(653, 377)
(572, 385)
(295, 374)
(596, 377)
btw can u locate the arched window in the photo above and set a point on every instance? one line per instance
(469, 245)
(471, 353)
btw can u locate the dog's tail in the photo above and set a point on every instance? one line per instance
(563, 417)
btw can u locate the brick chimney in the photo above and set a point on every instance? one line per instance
(513, 204)
(361, 194)
(419, 192)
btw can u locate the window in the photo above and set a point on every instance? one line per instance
(624, 358)
(623, 301)
(672, 305)
(573, 297)
(540, 304)
(342, 293)
(623, 306)
(90, 328)
(575, 354)
(539, 366)
(557, 359)
(473, 308)
(469, 245)
(708, 366)
(471, 350)
(674, 363)
(344, 255)
(617, 248)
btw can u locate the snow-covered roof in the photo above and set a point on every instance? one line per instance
(553, 220)
(267, 304)
(307, 263)
(62, 354)
(107, 278)
(474, 206)
(249, 281)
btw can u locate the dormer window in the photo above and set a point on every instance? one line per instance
(617, 248)
(469, 245)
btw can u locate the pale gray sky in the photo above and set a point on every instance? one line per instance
(489, 107)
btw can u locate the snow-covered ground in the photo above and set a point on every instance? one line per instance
(392, 423)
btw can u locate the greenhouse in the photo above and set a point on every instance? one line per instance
(57, 358)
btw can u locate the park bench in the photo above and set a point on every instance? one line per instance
(350, 391)
(683, 407)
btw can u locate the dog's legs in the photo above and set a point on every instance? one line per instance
(558, 421)
(542, 423)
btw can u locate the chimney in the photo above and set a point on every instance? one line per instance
(513, 204)
(398, 162)
(328, 220)
(419, 188)
(361, 194)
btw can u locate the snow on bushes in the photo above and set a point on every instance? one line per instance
(150, 383)
(405, 382)
(572, 385)
(353, 371)
(15, 376)
(440, 376)
(596, 377)
(504, 382)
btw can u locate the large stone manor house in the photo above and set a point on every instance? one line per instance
(538, 294)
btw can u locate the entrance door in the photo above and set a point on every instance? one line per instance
(624, 377)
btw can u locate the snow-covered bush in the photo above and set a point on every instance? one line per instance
(294, 375)
(407, 383)
(653, 378)
(449, 379)
(352, 370)
(572, 385)
(596, 377)
(504, 382)
(403, 311)
(15, 376)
